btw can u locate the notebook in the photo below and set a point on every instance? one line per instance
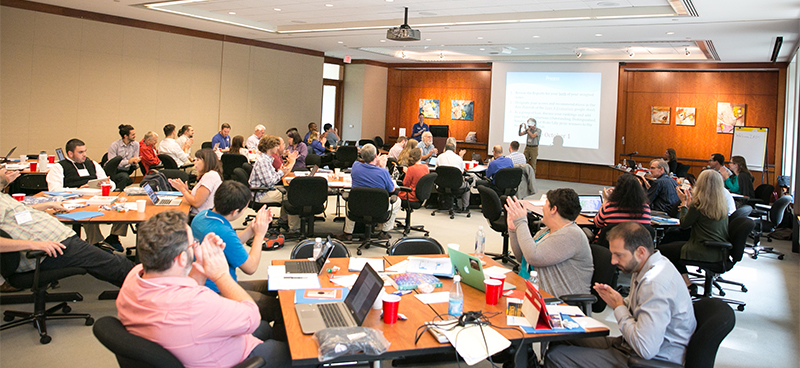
(166, 201)
(315, 266)
(471, 270)
(350, 313)
(590, 204)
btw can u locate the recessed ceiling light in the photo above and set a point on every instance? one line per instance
(383, 40)
(535, 36)
(481, 49)
(329, 5)
(341, 42)
(389, 1)
(427, 39)
(527, 48)
(607, 3)
(232, 13)
(598, 34)
(670, 33)
(277, 9)
(480, 38)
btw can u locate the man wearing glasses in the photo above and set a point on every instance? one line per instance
(661, 192)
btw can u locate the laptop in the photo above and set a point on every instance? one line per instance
(471, 270)
(349, 313)
(432, 161)
(5, 159)
(316, 266)
(60, 154)
(630, 162)
(166, 201)
(590, 204)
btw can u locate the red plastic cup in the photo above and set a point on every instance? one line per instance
(51, 159)
(493, 289)
(19, 196)
(106, 188)
(34, 166)
(502, 279)
(391, 303)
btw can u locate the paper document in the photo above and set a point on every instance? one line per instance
(469, 342)
(569, 310)
(539, 203)
(280, 280)
(589, 322)
(357, 264)
(433, 298)
(430, 266)
(100, 200)
(495, 270)
(400, 267)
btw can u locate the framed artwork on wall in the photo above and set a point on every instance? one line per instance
(729, 115)
(659, 115)
(461, 109)
(685, 116)
(429, 108)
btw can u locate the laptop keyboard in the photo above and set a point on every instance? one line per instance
(305, 267)
(164, 201)
(332, 315)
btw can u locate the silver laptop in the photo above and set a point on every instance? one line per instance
(432, 161)
(166, 201)
(315, 266)
(349, 313)
(590, 204)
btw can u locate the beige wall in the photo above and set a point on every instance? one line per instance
(63, 77)
(364, 114)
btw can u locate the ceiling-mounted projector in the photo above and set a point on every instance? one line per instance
(404, 32)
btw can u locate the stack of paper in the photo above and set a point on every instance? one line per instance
(475, 343)
(357, 264)
(280, 280)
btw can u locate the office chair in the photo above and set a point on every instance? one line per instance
(137, 352)
(205, 145)
(144, 171)
(104, 160)
(378, 142)
(230, 161)
(305, 249)
(450, 185)
(362, 142)
(178, 174)
(715, 320)
(681, 170)
(763, 193)
(369, 206)
(39, 281)
(604, 273)
(506, 182)
(738, 230)
(415, 245)
(345, 156)
(313, 159)
(494, 212)
(29, 183)
(168, 162)
(422, 192)
(241, 175)
(768, 221)
(306, 196)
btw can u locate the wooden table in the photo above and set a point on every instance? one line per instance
(132, 216)
(401, 334)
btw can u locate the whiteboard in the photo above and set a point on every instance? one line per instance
(750, 143)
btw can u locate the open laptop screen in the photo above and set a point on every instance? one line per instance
(363, 294)
(590, 203)
(150, 193)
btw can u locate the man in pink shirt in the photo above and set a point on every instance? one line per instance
(165, 301)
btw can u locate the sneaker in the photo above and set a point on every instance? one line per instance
(383, 236)
(345, 237)
(113, 241)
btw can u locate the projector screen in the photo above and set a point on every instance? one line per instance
(574, 104)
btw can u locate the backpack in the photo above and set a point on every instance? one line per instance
(157, 181)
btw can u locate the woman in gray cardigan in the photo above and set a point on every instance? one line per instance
(560, 251)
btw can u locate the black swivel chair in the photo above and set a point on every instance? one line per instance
(507, 181)
(231, 161)
(313, 160)
(345, 156)
(681, 170)
(415, 245)
(120, 178)
(241, 175)
(378, 142)
(362, 142)
(738, 230)
(29, 183)
(762, 194)
(715, 320)
(604, 273)
(205, 145)
(369, 206)
(494, 212)
(38, 281)
(422, 192)
(768, 219)
(306, 197)
(450, 186)
(305, 249)
(168, 162)
(137, 352)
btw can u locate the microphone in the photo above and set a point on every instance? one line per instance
(630, 154)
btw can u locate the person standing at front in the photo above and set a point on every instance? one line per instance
(533, 134)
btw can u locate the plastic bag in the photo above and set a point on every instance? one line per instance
(339, 341)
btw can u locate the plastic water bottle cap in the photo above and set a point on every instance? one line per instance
(318, 240)
(480, 227)
(457, 278)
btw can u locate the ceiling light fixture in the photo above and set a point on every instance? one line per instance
(232, 13)
(630, 53)
(277, 9)
(341, 42)
(480, 38)
(482, 49)
(441, 55)
(403, 54)
(578, 54)
(535, 36)
(670, 33)
(383, 40)
(686, 49)
(329, 5)
(598, 35)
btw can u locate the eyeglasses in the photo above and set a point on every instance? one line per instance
(191, 245)
(653, 167)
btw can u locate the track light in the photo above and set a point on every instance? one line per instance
(578, 54)
(686, 49)
(441, 54)
(403, 54)
(630, 53)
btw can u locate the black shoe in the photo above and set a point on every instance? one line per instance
(384, 236)
(345, 237)
(693, 290)
(113, 241)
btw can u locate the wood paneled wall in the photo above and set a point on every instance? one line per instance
(407, 87)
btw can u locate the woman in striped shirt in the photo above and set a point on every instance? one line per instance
(627, 201)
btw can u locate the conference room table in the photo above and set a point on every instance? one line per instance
(401, 335)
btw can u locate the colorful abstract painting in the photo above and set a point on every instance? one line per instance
(461, 109)
(729, 115)
(684, 116)
(659, 115)
(429, 108)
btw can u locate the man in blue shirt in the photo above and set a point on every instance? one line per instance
(499, 162)
(418, 128)
(312, 127)
(372, 173)
(228, 208)
(222, 140)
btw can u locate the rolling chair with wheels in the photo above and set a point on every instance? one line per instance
(762, 194)
(120, 178)
(305, 249)
(742, 211)
(362, 142)
(604, 273)
(450, 186)
(768, 220)
(231, 161)
(715, 320)
(137, 352)
(345, 156)
(681, 170)
(29, 183)
(738, 230)
(369, 206)
(494, 212)
(506, 181)
(168, 161)
(306, 197)
(422, 192)
(378, 142)
(104, 160)
(415, 245)
(312, 160)
(39, 281)
(205, 145)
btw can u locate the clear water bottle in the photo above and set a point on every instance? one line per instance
(455, 306)
(43, 161)
(480, 243)
(534, 279)
(317, 247)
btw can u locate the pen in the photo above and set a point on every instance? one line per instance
(294, 277)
